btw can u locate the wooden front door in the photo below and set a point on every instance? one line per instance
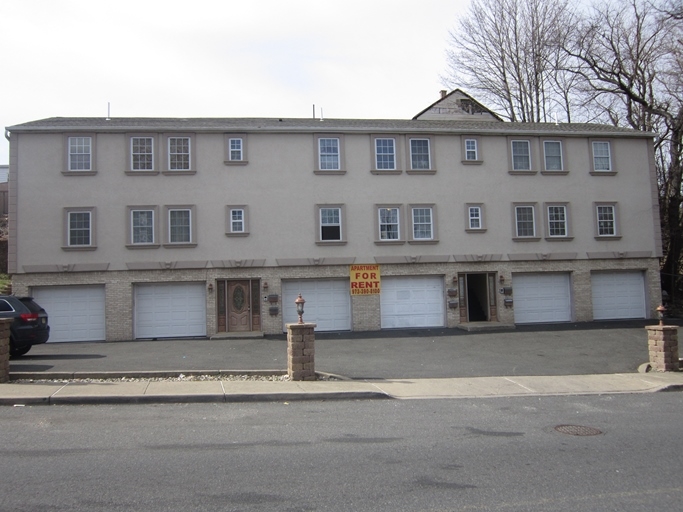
(239, 306)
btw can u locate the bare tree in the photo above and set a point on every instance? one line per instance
(629, 58)
(508, 53)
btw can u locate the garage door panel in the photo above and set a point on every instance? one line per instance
(170, 310)
(541, 298)
(75, 313)
(412, 301)
(328, 303)
(618, 295)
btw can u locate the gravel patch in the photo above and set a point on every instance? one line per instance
(179, 378)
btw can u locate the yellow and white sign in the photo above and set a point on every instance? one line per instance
(365, 279)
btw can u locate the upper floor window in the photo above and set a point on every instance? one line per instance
(80, 154)
(557, 221)
(142, 153)
(79, 229)
(142, 226)
(237, 220)
(385, 154)
(330, 224)
(420, 157)
(424, 223)
(471, 152)
(235, 152)
(606, 217)
(329, 154)
(389, 224)
(475, 218)
(235, 149)
(552, 150)
(521, 155)
(525, 221)
(602, 158)
(179, 153)
(180, 228)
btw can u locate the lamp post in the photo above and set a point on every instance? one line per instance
(300, 308)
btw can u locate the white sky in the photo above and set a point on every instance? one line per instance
(221, 58)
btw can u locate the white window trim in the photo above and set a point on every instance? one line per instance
(512, 156)
(610, 148)
(398, 164)
(228, 220)
(319, 225)
(191, 155)
(411, 235)
(515, 231)
(409, 152)
(562, 169)
(401, 237)
(617, 224)
(155, 153)
(567, 222)
(228, 160)
(66, 239)
(193, 226)
(155, 227)
(318, 155)
(482, 218)
(67, 171)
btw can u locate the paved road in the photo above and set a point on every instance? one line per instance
(567, 349)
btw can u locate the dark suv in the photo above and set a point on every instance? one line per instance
(29, 326)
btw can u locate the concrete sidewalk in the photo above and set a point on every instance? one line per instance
(425, 363)
(145, 392)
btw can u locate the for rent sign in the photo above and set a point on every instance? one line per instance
(365, 279)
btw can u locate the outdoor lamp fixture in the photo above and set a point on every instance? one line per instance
(300, 308)
(210, 287)
(661, 309)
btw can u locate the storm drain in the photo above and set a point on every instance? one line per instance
(577, 430)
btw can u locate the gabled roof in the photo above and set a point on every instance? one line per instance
(457, 105)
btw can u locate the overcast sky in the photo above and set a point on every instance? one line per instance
(221, 58)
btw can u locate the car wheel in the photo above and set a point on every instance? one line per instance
(16, 352)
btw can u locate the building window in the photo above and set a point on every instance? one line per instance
(474, 214)
(557, 221)
(142, 153)
(80, 154)
(422, 224)
(525, 222)
(79, 229)
(181, 225)
(237, 223)
(420, 159)
(328, 154)
(606, 216)
(602, 159)
(521, 155)
(235, 149)
(389, 227)
(142, 226)
(552, 150)
(330, 224)
(471, 150)
(385, 154)
(179, 152)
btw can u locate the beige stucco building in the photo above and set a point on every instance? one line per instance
(128, 228)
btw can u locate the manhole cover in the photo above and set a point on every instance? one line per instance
(578, 430)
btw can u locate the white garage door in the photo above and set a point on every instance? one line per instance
(541, 298)
(170, 310)
(75, 313)
(412, 302)
(328, 303)
(618, 295)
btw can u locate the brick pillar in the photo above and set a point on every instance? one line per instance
(301, 351)
(4, 349)
(662, 342)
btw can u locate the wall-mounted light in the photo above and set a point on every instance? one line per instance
(210, 287)
(265, 285)
(501, 278)
(300, 308)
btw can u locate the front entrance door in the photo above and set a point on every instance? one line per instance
(238, 306)
(477, 297)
